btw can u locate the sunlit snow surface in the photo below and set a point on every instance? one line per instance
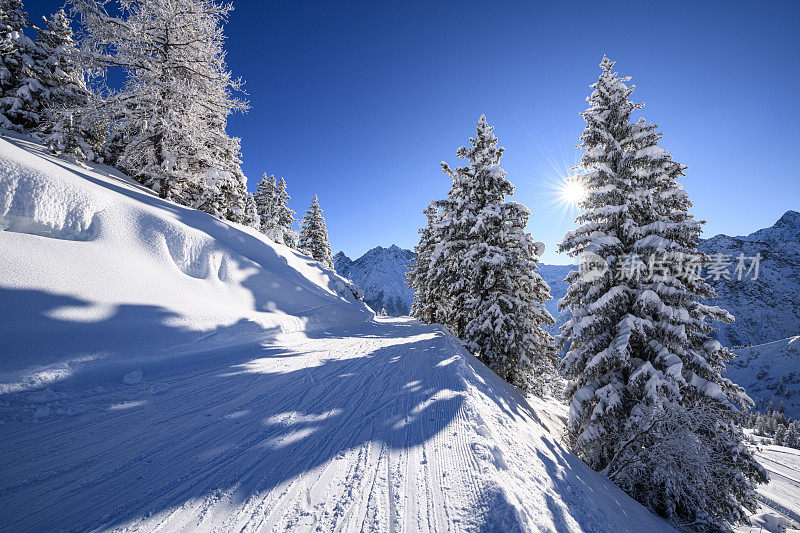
(160, 369)
(780, 498)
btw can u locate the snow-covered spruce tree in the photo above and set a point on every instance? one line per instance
(503, 294)
(251, 217)
(314, 235)
(70, 121)
(169, 121)
(649, 406)
(422, 306)
(284, 215)
(476, 269)
(21, 92)
(273, 207)
(265, 201)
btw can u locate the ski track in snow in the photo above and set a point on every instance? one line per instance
(782, 493)
(364, 429)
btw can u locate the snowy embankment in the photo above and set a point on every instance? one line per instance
(98, 272)
(165, 370)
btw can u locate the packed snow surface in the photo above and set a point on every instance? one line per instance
(162, 369)
(780, 498)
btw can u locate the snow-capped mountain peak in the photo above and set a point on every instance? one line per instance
(381, 273)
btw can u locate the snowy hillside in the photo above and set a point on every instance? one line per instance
(162, 369)
(98, 270)
(381, 274)
(770, 371)
(780, 498)
(766, 309)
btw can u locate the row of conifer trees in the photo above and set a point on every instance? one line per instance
(166, 126)
(649, 404)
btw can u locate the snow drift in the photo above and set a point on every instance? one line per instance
(99, 270)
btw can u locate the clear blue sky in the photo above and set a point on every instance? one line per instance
(359, 101)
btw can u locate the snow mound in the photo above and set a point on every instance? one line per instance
(32, 202)
(126, 276)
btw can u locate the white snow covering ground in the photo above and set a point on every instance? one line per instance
(161, 369)
(780, 498)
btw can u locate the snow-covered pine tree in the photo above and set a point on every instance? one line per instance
(251, 217)
(276, 216)
(314, 235)
(649, 406)
(222, 189)
(503, 294)
(780, 435)
(21, 92)
(169, 121)
(70, 122)
(447, 278)
(265, 201)
(422, 307)
(284, 215)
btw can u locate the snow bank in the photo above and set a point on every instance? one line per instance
(98, 273)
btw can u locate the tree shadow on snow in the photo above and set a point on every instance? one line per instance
(226, 420)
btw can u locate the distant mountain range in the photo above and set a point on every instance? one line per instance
(766, 309)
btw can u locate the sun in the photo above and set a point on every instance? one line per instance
(572, 192)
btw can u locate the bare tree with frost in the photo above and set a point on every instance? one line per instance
(168, 122)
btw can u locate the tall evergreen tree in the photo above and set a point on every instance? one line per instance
(284, 215)
(169, 121)
(649, 406)
(273, 207)
(314, 235)
(423, 307)
(476, 267)
(70, 122)
(251, 217)
(21, 92)
(265, 200)
(502, 293)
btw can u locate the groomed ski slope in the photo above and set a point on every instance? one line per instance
(162, 370)
(779, 500)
